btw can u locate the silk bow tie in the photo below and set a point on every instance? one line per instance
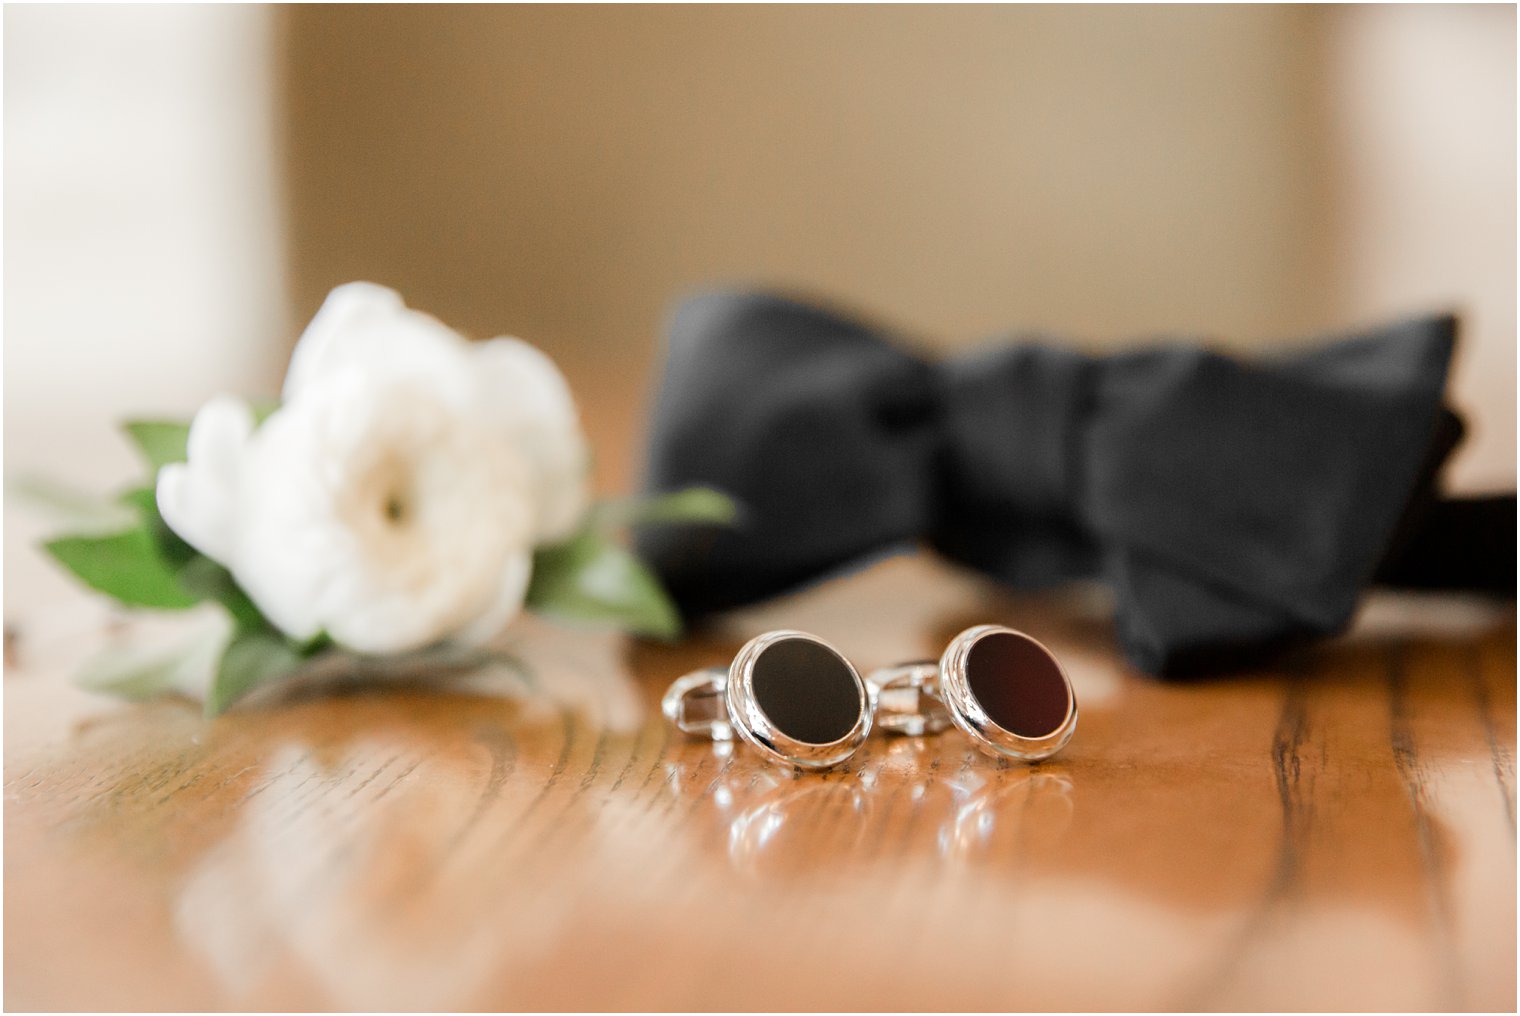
(1234, 507)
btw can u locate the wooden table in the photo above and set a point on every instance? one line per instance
(1337, 833)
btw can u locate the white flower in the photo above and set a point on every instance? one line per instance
(394, 499)
(505, 382)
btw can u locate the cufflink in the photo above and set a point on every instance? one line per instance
(788, 694)
(1003, 688)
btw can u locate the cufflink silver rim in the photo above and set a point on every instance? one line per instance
(718, 703)
(924, 697)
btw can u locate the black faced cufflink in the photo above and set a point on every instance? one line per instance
(1003, 688)
(788, 694)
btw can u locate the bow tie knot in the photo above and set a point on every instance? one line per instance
(1013, 443)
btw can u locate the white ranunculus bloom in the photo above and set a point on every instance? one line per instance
(506, 382)
(395, 498)
(384, 516)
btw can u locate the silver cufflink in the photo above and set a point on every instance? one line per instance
(1003, 688)
(788, 694)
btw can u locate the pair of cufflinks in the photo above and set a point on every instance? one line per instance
(801, 703)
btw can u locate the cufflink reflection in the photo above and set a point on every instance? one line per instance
(772, 824)
(1010, 819)
(790, 827)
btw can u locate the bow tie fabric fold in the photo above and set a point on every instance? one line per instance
(1233, 506)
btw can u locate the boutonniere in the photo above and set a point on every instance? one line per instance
(411, 492)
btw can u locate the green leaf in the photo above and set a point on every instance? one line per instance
(589, 578)
(204, 578)
(142, 500)
(137, 673)
(198, 575)
(171, 548)
(77, 511)
(127, 675)
(126, 566)
(692, 505)
(262, 409)
(160, 442)
(252, 659)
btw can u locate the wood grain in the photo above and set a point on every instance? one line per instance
(1337, 833)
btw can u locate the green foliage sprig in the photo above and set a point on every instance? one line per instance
(125, 550)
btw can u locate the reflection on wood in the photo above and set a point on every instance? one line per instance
(1336, 833)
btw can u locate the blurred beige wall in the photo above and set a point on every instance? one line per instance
(568, 172)
(1110, 173)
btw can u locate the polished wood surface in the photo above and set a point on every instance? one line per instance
(1335, 833)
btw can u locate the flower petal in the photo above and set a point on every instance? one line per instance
(507, 605)
(365, 328)
(335, 335)
(523, 391)
(199, 498)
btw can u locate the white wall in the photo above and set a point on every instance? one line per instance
(1423, 158)
(142, 236)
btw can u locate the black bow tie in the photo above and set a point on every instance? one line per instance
(1233, 506)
